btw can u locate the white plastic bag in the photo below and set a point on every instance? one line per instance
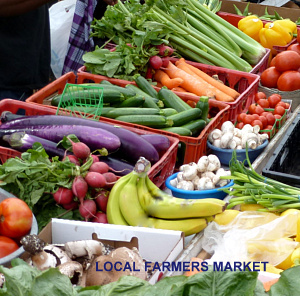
(61, 18)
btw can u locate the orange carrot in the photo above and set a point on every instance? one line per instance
(224, 88)
(218, 93)
(179, 88)
(194, 268)
(165, 80)
(196, 85)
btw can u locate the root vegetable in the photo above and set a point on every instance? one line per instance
(95, 158)
(202, 164)
(102, 199)
(73, 159)
(80, 150)
(214, 163)
(110, 179)
(95, 180)
(88, 209)
(100, 218)
(63, 196)
(165, 50)
(80, 188)
(155, 62)
(99, 167)
(71, 206)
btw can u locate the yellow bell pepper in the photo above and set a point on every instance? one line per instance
(276, 33)
(251, 25)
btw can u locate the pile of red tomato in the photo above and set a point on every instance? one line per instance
(257, 115)
(283, 72)
(15, 222)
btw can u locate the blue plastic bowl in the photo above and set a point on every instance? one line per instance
(225, 155)
(197, 194)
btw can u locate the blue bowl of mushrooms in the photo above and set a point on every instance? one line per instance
(200, 180)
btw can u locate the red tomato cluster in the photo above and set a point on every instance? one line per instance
(283, 72)
(15, 222)
(258, 116)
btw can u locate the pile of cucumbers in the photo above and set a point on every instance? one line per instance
(142, 104)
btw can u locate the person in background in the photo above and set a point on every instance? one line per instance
(80, 41)
(24, 47)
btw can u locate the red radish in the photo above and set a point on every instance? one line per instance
(80, 188)
(150, 72)
(73, 159)
(63, 196)
(110, 178)
(99, 167)
(102, 199)
(94, 157)
(165, 50)
(95, 180)
(71, 206)
(155, 62)
(88, 209)
(113, 49)
(100, 218)
(80, 150)
(165, 62)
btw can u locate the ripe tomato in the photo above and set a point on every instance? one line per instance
(248, 119)
(298, 35)
(287, 60)
(272, 63)
(241, 116)
(15, 217)
(289, 81)
(277, 117)
(259, 95)
(279, 110)
(263, 120)
(240, 125)
(269, 77)
(257, 122)
(294, 47)
(287, 106)
(255, 109)
(265, 113)
(255, 116)
(7, 246)
(274, 99)
(270, 118)
(281, 103)
(264, 103)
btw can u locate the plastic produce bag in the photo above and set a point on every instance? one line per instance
(251, 236)
(61, 18)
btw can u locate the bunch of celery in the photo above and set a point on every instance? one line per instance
(252, 188)
(195, 32)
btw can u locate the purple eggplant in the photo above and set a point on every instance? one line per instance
(119, 165)
(132, 145)
(160, 142)
(8, 116)
(22, 142)
(95, 138)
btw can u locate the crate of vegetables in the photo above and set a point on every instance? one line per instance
(191, 126)
(162, 166)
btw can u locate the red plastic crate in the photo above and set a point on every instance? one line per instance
(195, 147)
(158, 173)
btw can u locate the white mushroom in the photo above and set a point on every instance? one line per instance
(214, 163)
(237, 132)
(174, 182)
(262, 138)
(208, 174)
(256, 129)
(185, 185)
(202, 164)
(247, 128)
(184, 167)
(221, 183)
(179, 177)
(227, 127)
(201, 184)
(250, 139)
(214, 135)
(74, 271)
(190, 174)
(217, 143)
(225, 139)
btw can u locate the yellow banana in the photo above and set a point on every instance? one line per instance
(226, 217)
(134, 214)
(163, 205)
(113, 212)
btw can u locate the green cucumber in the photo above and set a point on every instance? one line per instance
(203, 105)
(84, 109)
(132, 111)
(154, 121)
(171, 100)
(181, 131)
(105, 110)
(105, 82)
(145, 86)
(90, 97)
(136, 101)
(184, 117)
(168, 111)
(195, 126)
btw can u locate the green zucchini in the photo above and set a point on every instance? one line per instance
(184, 117)
(181, 131)
(154, 121)
(106, 82)
(168, 111)
(171, 100)
(84, 109)
(90, 97)
(116, 112)
(145, 86)
(203, 105)
(105, 110)
(136, 101)
(195, 126)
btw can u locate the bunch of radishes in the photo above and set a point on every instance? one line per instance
(160, 60)
(90, 187)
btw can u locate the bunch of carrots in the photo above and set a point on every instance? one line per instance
(183, 77)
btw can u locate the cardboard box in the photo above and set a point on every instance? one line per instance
(154, 245)
(258, 9)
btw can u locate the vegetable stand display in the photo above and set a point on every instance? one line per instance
(194, 147)
(158, 173)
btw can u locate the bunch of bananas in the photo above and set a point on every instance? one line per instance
(135, 200)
